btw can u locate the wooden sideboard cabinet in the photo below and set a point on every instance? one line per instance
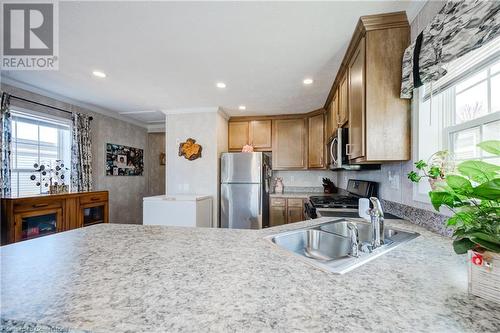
(30, 217)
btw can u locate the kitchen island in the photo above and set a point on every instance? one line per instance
(119, 278)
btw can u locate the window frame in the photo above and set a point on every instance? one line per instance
(57, 122)
(446, 120)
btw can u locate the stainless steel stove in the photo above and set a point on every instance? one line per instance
(343, 204)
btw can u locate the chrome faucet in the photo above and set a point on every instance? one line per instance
(354, 236)
(377, 220)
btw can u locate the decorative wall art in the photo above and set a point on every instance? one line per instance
(124, 160)
(190, 149)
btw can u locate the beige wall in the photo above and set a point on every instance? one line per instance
(200, 176)
(156, 172)
(125, 193)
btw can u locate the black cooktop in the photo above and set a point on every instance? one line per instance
(334, 201)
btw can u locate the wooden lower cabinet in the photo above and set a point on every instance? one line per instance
(31, 217)
(286, 210)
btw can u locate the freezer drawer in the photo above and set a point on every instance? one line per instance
(241, 206)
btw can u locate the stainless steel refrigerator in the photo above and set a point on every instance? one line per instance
(244, 190)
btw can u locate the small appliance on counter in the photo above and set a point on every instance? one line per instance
(181, 210)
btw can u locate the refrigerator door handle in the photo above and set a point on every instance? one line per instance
(260, 200)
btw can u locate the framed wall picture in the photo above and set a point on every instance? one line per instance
(124, 160)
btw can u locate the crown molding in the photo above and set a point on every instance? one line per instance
(90, 107)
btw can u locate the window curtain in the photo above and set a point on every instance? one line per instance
(81, 153)
(5, 145)
(459, 28)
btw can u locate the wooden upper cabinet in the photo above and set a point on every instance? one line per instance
(343, 96)
(260, 134)
(368, 87)
(289, 144)
(356, 92)
(253, 132)
(316, 154)
(333, 113)
(238, 135)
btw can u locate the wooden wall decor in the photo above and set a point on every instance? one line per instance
(190, 149)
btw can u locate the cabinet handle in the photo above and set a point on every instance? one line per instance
(40, 205)
(94, 199)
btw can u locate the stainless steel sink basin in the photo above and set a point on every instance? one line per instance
(314, 244)
(328, 245)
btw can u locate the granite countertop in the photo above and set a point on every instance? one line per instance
(130, 278)
(301, 195)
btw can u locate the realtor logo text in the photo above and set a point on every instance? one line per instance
(30, 36)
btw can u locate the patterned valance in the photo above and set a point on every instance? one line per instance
(459, 28)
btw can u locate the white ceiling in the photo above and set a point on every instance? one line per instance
(169, 55)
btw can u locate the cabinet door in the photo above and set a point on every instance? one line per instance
(295, 214)
(316, 144)
(289, 144)
(343, 96)
(277, 215)
(356, 145)
(37, 223)
(260, 134)
(238, 135)
(333, 115)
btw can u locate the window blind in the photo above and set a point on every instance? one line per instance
(35, 140)
(465, 66)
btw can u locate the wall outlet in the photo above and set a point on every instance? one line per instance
(394, 180)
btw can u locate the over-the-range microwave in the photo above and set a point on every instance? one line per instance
(339, 160)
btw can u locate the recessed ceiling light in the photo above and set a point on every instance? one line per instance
(221, 85)
(308, 81)
(99, 74)
(242, 108)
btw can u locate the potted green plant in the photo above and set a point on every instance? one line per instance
(435, 169)
(472, 193)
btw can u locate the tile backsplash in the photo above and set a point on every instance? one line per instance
(311, 179)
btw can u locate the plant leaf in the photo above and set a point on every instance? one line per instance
(414, 177)
(420, 164)
(485, 244)
(489, 190)
(478, 171)
(435, 172)
(463, 245)
(495, 239)
(491, 146)
(439, 198)
(459, 184)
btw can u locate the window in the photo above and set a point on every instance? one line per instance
(40, 140)
(460, 110)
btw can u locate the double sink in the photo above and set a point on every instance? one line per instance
(329, 245)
